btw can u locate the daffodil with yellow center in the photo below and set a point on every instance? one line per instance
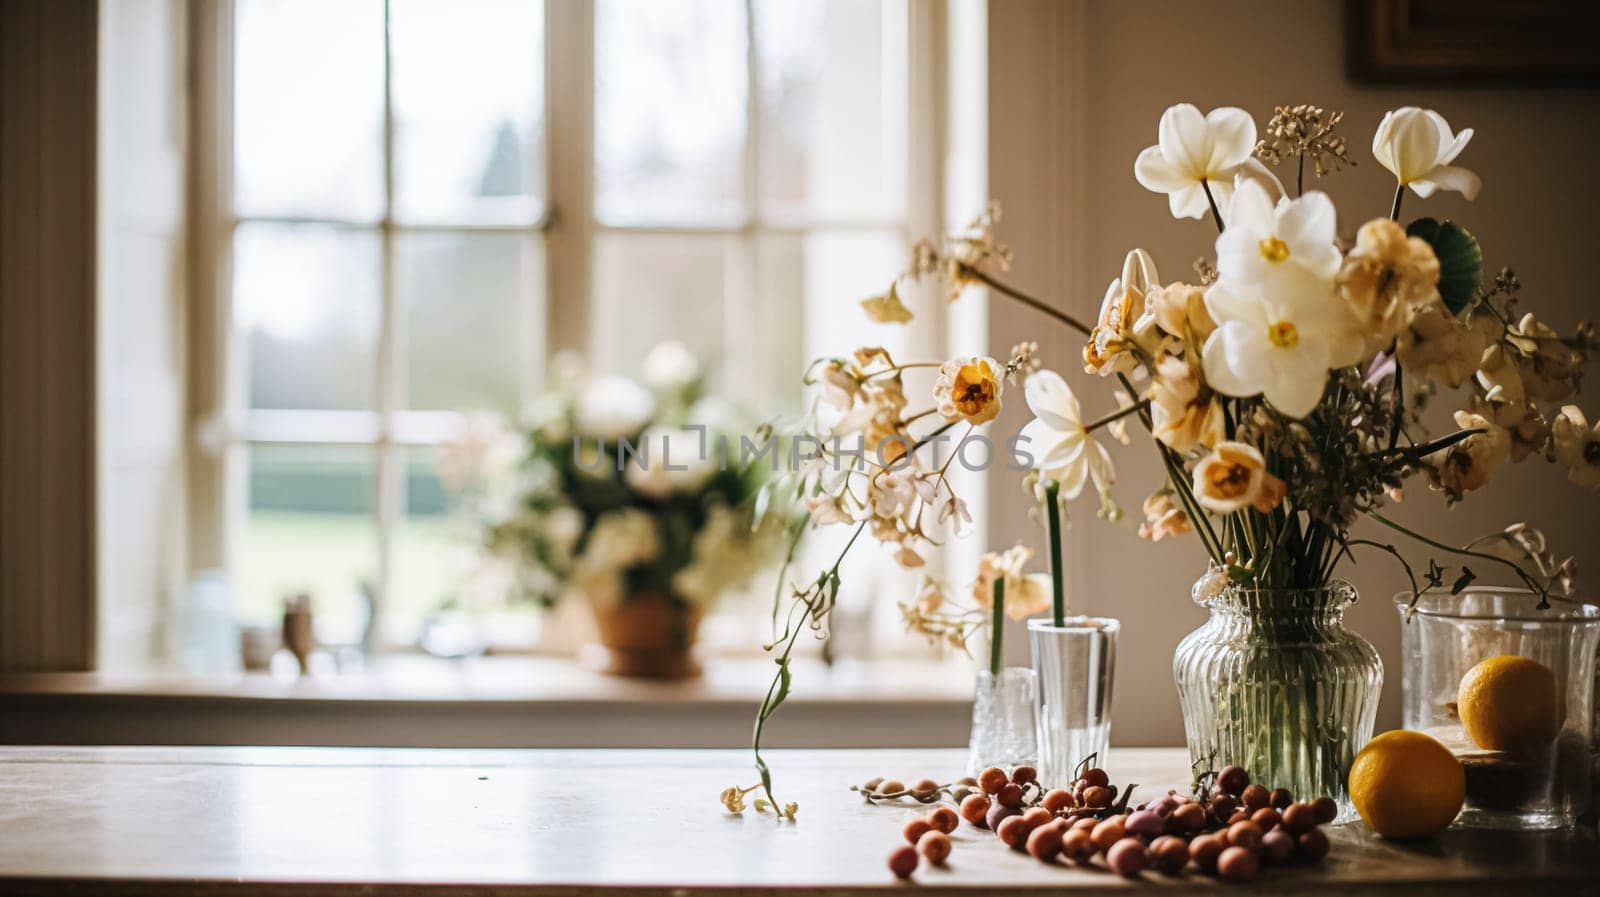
(969, 389)
(1234, 476)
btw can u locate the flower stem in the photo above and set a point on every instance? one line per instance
(1058, 598)
(1216, 214)
(1117, 415)
(1027, 300)
(1527, 579)
(998, 627)
(1399, 194)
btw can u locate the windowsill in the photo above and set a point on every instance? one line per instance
(522, 679)
(512, 702)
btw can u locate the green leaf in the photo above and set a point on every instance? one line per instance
(1460, 259)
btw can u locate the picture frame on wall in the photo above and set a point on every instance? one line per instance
(1473, 42)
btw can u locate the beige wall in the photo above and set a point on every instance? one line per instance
(1535, 150)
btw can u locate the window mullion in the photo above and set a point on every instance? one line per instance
(569, 99)
(391, 361)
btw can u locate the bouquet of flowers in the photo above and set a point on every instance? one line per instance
(1282, 388)
(621, 491)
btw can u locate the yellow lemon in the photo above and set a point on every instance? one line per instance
(1406, 785)
(1510, 704)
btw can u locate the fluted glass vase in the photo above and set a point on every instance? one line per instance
(1275, 683)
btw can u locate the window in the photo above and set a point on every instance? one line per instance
(418, 185)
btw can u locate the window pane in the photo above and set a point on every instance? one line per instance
(469, 110)
(833, 108)
(475, 318)
(669, 110)
(306, 302)
(308, 108)
(837, 269)
(430, 550)
(310, 529)
(653, 287)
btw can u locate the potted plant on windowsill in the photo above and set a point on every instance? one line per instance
(618, 493)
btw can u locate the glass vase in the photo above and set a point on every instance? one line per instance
(1540, 783)
(1275, 683)
(1076, 665)
(1002, 721)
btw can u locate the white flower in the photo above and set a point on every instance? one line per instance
(619, 540)
(1111, 343)
(969, 389)
(670, 460)
(670, 366)
(1416, 144)
(1062, 449)
(613, 407)
(1233, 477)
(1279, 328)
(1192, 148)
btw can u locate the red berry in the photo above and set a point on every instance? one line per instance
(935, 847)
(1246, 835)
(1110, 830)
(1276, 846)
(1169, 854)
(944, 819)
(1037, 816)
(1147, 824)
(1205, 850)
(1237, 864)
(903, 861)
(1280, 798)
(1077, 846)
(893, 786)
(997, 813)
(1233, 779)
(1313, 845)
(1326, 808)
(1299, 818)
(916, 828)
(1238, 817)
(974, 808)
(1022, 775)
(1127, 857)
(1044, 842)
(1058, 800)
(1097, 796)
(1096, 777)
(1222, 806)
(991, 780)
(1013, 831)
(1254, 797)
(925, 787)
(1266, 819)
(1010, 794)
(1187, 818)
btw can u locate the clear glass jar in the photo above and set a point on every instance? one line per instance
(1275, 683)
(1003, 720)
(1547, 784)
(1076, 665)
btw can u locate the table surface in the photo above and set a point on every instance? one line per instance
(318, 821)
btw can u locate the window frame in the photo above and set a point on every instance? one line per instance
(223, 427)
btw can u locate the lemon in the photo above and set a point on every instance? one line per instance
(1510, 704)
(1407, 785)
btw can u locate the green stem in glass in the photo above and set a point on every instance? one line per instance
(997, 627)
(1052, 510)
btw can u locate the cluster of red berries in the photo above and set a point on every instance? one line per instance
(1229, 831)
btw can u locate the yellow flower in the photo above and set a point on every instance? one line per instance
(1163, 517)
(1183, 413)
(969, 389)
(733, 799)
(1234, 476)
(1387, 278)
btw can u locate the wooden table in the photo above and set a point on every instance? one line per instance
(335, 821)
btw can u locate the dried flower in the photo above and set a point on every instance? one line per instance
(1386, 278)
(1468, 464)
(1304, 131)
(1577, 447)
(1179, 309)
(959, 259)
(1026, 593)
(1163, 517)
(1438, 346)
(969, 389)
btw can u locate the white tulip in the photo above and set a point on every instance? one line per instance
(1418, 147)
(1194, 149)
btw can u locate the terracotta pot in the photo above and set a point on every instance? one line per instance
(648, 635)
